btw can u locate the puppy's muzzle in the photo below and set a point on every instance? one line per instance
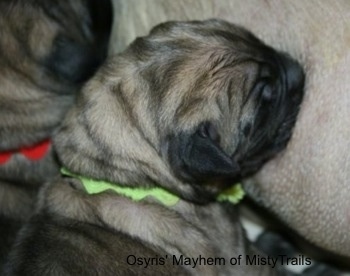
(280, 99)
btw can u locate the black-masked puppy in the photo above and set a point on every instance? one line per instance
(179, 117)
(48, 49)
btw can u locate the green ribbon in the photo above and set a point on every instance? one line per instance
(233, 195)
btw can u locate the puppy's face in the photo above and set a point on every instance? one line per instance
(223, 102)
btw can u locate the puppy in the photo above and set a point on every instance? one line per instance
(47, 50)
(181, 115)
(307, 186)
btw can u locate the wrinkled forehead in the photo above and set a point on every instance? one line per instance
(201, 40)
(201, 31)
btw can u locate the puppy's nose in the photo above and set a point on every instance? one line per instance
(294, 75)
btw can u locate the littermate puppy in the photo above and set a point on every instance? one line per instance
(152, 148)
(48, 49)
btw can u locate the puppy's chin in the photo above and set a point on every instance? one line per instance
(204, 193)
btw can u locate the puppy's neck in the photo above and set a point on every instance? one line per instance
(232, 195)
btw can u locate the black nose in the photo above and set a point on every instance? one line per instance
(294, 75)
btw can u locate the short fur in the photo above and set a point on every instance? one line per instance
(193, 107)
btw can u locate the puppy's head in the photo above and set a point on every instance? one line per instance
(211, 101)
(226, 102)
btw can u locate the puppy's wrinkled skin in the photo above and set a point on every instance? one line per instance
(308, 185)
(192, 108)
(47, 50)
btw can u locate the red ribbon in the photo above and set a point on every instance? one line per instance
(33, 153)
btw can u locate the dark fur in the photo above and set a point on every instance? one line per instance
(48, 49)
(192, 107)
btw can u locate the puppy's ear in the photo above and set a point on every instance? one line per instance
(198, 157)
